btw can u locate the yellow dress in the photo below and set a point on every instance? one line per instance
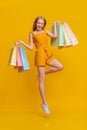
(43, 54)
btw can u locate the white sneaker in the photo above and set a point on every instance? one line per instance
(45, 108)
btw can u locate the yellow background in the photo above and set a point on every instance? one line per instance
(66, 91)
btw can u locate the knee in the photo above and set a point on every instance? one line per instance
(42, 78)
(59, 68)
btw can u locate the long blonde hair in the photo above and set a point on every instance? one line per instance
(34, 24)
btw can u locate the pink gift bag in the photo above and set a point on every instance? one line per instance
(25, 62)
(18, 58)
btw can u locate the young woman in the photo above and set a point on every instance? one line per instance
(43, 55)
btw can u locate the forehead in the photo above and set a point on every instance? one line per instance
(40, 20)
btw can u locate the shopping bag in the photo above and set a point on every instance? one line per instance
(66, 38)
(59, 41)
(12, 59)
(25, 64)
(70, 34)
(18, 58)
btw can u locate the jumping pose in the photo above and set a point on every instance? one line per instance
(43, 55)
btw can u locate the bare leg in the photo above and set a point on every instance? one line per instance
(55, 66)
(41, 73)
(44, 105)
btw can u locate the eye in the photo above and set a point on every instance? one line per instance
(42, 23)
(38, 23)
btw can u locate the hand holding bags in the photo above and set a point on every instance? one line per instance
(65, 36)
(18, 59)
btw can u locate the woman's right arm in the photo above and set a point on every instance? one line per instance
(30, 46)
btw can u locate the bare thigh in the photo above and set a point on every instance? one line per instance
(55, 63)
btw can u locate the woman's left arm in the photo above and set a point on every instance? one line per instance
(54, 34)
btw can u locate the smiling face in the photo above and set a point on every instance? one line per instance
(39, 24)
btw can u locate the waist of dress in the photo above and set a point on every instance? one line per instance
(42, 47)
